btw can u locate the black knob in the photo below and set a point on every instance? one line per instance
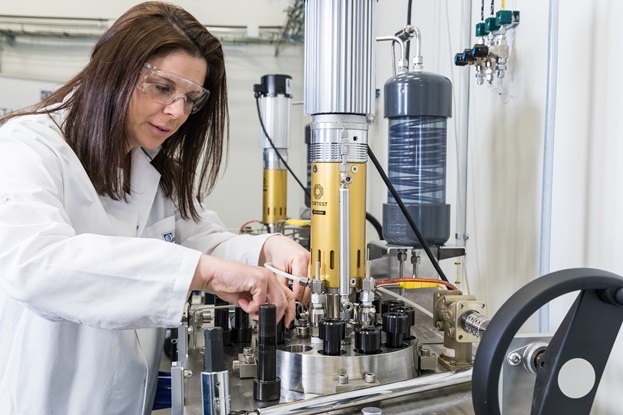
(410, 313)
(389, 304)
(396, 327)
(331, 331)
(458, 60)
(468, 56)
(368, 340)
(480, 51)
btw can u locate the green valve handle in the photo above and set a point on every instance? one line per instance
(481, 30)
(504, 17)
(491, 24)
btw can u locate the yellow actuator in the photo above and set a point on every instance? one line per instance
(274, 195)
(325, 228)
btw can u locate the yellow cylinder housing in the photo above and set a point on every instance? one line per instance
(274, 196)
(325, 222)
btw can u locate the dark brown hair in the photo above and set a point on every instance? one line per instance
(97, 101)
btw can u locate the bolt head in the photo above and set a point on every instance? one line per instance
(514, 359)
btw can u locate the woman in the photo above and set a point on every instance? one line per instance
(95, 183)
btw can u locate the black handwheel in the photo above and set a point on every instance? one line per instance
(587, 333)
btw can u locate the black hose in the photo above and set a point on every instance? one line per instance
(377, 225)
(403, 208)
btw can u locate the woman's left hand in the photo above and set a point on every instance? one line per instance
(287, 255)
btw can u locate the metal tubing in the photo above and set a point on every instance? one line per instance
(344, 242)
(359, 397)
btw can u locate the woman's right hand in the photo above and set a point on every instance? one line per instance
(244, 285)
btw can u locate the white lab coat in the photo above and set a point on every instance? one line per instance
(87, 283)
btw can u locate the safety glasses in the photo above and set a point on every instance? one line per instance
(166, 88)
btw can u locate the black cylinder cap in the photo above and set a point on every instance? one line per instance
(387, 305)
(331, 331)
(395, 323)
(367, 340)
(273, 85)
(408, 311)
(412, 94)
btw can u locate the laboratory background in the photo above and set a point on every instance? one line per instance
(533, 176)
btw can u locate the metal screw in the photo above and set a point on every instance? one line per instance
(514, 359)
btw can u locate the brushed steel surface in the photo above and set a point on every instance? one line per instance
(302, 366)
(340, 56)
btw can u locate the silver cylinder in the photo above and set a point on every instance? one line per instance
(330, 131)
(272, 161)
(276, 117)
(339, 56)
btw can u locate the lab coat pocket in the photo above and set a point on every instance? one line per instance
(163, 229)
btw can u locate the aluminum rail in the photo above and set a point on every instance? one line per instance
(326, 403)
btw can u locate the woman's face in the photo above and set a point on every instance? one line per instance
(150, 122)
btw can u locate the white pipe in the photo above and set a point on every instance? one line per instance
(462, 131)
(548, 154)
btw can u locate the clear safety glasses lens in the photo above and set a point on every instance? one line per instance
(166, 88)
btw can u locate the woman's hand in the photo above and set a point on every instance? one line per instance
(287, 255)
(244, 285)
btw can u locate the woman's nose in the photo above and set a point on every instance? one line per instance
(176, 108)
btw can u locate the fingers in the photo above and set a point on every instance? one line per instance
(290, 313)
(283, 299)
(245, 285)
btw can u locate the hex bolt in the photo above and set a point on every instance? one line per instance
(514, 359)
